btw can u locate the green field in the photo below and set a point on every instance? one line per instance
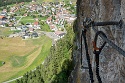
(43, 18)
(28, 19)
(5, 31)
(21, 56)
(17, 18)
(45, 27)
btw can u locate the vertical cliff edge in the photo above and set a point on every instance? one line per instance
(112, 67)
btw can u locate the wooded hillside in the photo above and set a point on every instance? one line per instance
(8, 2)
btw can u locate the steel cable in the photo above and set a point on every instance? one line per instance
(87, 55)
(121, 51)
(88, 23)
(97, 52)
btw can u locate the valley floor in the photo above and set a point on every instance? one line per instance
(21, 56)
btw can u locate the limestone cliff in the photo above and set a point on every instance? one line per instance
(112, 67)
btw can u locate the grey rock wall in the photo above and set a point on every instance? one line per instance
(112, 64)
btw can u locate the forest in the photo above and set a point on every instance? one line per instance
(57, 66)
(9, 2)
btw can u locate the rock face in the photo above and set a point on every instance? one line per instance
(112, 67)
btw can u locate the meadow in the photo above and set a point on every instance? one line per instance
(21, 56)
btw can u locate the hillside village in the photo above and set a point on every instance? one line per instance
(32, 20)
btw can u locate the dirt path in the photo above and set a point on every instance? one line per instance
(13, 80)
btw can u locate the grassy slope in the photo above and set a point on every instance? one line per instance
(28, 55)
(5, 31)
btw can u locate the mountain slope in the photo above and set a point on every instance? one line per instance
(111, 68)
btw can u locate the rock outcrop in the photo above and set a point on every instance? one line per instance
(112, 67)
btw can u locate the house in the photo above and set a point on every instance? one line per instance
(31, 29)
(72, 18)
(24, 28)
(56, 21)
(60, 34)
(25, 14)
(39, 8)
(36, 25)
(3, 18)
(11, 24)
(19, 28)
(49, 19)
(26, 36)
(3, 13)
(21, 34)
(34, 35)
(53, 27)
(12, 18)
(33, 8)
(53, 9)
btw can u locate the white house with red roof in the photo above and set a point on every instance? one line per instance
(36, 25)
(49, 20)
(53, 27)
(3, 20)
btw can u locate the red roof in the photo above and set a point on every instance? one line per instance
(56, 20)
(36, 23)
(52, 26)
(49, 19)
(59, 32)
(2, 17)
(31, 29)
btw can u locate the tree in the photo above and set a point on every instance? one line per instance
(17, 81)
(22, 23)
(34, 16)
(6, 25)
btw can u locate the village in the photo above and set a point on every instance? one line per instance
(29, 31)
(31, 20)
